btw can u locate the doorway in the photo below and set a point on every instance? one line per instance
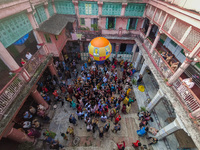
(123, 47)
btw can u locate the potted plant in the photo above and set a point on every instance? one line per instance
(95, 27)
(134, 81)
(142, 109)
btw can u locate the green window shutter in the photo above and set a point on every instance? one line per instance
(111, 9)
(136, 24)
(37, 18)
(41, 13)
(13, 28)
(107, 23)
(128, 23)
(50, 9)
(134, 9)
(88, 8)
(65, 7)
(115, 23)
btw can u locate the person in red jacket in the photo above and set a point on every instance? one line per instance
(121, 145)
(117, 118)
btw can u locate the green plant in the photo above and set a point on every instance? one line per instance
(95, 27)
(110, 25)
(134, 81)
(87, 28)
(25, 146)
(165, 79)
(142, 109)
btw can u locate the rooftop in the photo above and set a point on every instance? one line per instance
(56, 23)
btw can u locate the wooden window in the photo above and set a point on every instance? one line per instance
(47, 37)
(82, 21)
(110, 23)
(132, 24)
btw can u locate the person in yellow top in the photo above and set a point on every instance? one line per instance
(126, 100)
(128, 91)
(70, 130)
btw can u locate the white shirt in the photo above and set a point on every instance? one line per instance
(28, 56)
(188, 82)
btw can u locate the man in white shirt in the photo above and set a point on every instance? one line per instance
(28, 55)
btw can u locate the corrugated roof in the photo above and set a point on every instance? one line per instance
(56, 23)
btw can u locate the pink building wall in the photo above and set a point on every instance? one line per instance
(62, 39)
(55, 46)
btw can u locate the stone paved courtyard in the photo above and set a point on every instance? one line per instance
(88, 140)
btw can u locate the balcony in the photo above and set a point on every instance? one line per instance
(189, 100)
(18, 84)
(88, 34)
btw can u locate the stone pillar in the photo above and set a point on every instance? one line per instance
(167, 130)
(76, 8)
(35, 32)
(81, 47)
(46, 9)
(195, 114)
(143, 68)
(100, 4)
(155, 100)
(54, 8)
(179, 71)
(123, 9)
(138, 60)
(52, 69)
(117, 48)
(155, 42)
(38, 98)
(8, 59)
(133, 51)
(19, 136)
(149, 30)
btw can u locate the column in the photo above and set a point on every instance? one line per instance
(8, 59)
(117, 48)
(38, 98)
(133, 51)
(195, 114)
(34, 24)
(149, 30)
(52, 69)
(123, 9)
(179, 71)
(46, 9)
(167, 130)
(155, 42)
(100, 4)
(19, 136)
(138, 60)
(81, 46)
(143, 68)
(155, 100)
(76, 8)
(54, 8)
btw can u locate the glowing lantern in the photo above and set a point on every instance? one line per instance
(100, 49)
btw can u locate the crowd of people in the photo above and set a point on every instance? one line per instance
(98, 93)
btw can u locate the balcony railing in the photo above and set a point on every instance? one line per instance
(10, 91)
(32, 65)
(162, 64)
(18, 82)
(148, 44)
(187, 97)
(87, 34)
